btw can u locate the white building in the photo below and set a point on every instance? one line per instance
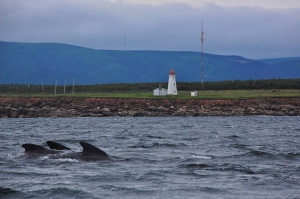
(172, 88)
(194, 93)
(160, 92)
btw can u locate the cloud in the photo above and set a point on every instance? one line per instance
(253, 32)
(269, 4)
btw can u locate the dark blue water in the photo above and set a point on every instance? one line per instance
(169, 157)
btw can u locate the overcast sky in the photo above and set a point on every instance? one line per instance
(249, 28)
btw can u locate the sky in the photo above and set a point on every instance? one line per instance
(254, 29)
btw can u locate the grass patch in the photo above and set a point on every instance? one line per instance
(221, 94)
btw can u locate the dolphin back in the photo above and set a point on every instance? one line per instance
(33, 148)
(57, 146)
(89, 149)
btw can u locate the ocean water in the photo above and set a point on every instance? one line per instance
(159, 157)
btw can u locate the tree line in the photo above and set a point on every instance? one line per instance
(146, 87)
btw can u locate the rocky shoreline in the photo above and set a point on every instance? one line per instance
(107, 107)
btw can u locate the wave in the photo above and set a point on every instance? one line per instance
(270, 155)
(219, 167)
(159, 145)
(233, 137)
(154, 136)
(260, 153)
(136, 190)
(240, 146)
(67, 160)
(9, 193)
(196, 166)
(14, 155)
(61, 192)
(292, 155)
(205, 157)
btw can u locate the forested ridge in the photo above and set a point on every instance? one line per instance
(148, 87)
(47, 63)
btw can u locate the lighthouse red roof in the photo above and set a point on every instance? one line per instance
(172, 72)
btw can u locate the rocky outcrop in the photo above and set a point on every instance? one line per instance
(106, 107)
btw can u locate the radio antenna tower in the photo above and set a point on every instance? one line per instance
(202, 57)
(124, 41)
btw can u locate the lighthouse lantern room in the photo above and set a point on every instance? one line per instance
(172, 88)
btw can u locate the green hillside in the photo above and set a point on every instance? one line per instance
(37, 63)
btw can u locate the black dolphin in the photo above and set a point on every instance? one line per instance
(57, 146)
(34, 149)
(89, 153)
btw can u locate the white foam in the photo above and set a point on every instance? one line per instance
(201, 157)
(44, 157)
(14, 155)
(67, 160)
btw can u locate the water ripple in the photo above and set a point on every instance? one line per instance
(167, 157)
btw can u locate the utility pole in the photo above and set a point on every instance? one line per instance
(65, 87)
(124, 42)
(202, 58)
(73, 87)
(55, 87)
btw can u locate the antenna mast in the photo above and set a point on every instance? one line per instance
(65, 87)
(202, 57)
(55, 87)
(73, 90)
(124, 41)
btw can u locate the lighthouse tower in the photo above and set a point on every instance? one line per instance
(172, 88)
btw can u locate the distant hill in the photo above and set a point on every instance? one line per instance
(279, 60)
(37, 63)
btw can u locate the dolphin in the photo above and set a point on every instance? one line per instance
(57, 146)
(33, 149)
(89, 153)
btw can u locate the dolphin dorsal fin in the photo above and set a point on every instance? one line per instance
(33, 147)
(90, 149)
(57, 146)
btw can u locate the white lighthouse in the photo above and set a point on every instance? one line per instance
(172, 88)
